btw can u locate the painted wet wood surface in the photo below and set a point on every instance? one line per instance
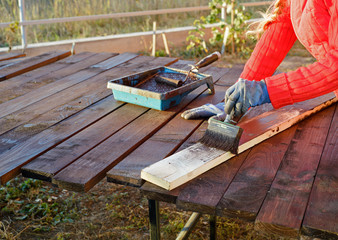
(9, 56)
(60, 123)
(19, 66)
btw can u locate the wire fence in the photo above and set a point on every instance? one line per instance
(23, 23)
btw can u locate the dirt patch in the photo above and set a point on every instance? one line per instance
(37, 210)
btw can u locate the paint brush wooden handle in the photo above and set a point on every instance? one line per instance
(204, 62)
(208, 60)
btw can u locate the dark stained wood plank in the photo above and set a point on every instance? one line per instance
(24, 83)
(37, 95)
(247, 191)
(37, 117)
(45, 166)
(113, 62)
(11, 161)
(85, 172)
(284, 206)
(7, 63)
(28, 149)
(52, 162)
(29, 64)
(60, 105)
(165, 141)
(154, 192)
(8, 56)
(321, 217)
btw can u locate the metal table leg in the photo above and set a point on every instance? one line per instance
(154, 219)
(188, 227)
(212, 223)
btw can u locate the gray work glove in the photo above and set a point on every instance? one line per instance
(243, 95)
(204, 111)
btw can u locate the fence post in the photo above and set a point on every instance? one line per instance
(154, 40)
(22, 27)
(226, 28)
(232, 25)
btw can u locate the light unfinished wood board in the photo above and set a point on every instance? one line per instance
(189, 163)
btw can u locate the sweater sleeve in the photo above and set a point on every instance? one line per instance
(271, 49)
(312, 81)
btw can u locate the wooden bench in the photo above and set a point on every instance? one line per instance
(60, 123)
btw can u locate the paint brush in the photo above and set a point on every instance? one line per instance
(222, 135)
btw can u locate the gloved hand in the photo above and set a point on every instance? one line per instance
(204, 111)
(243, 95)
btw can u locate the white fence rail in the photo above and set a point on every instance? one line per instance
(23, 23)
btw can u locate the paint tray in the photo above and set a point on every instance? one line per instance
(142, 89)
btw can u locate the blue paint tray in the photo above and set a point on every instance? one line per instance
(142, 89)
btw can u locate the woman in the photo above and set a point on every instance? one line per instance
(315, 24)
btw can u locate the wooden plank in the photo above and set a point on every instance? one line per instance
(7, 63)
(197, 159)
(54, 87)
(320, 219)
(247, 191)
(62, 104)
(11, 161)
(24, 83)
(88, 170)
(165, 141)
(52, 162)
(45, 167)
(8, 56)
(113, 62)
(284, 206)
(29, 64)
(29, 148)
(154, 192)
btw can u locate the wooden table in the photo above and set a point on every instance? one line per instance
(60, 123)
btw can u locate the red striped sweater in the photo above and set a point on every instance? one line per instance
(315, 24)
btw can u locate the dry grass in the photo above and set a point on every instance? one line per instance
(108, 211)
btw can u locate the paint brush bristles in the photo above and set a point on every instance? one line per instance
(222, 135)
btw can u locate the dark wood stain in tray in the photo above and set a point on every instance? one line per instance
(152, 85)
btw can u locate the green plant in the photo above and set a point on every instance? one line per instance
(197, 45)
(28, 199)
(235, 18)
(11, 34)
